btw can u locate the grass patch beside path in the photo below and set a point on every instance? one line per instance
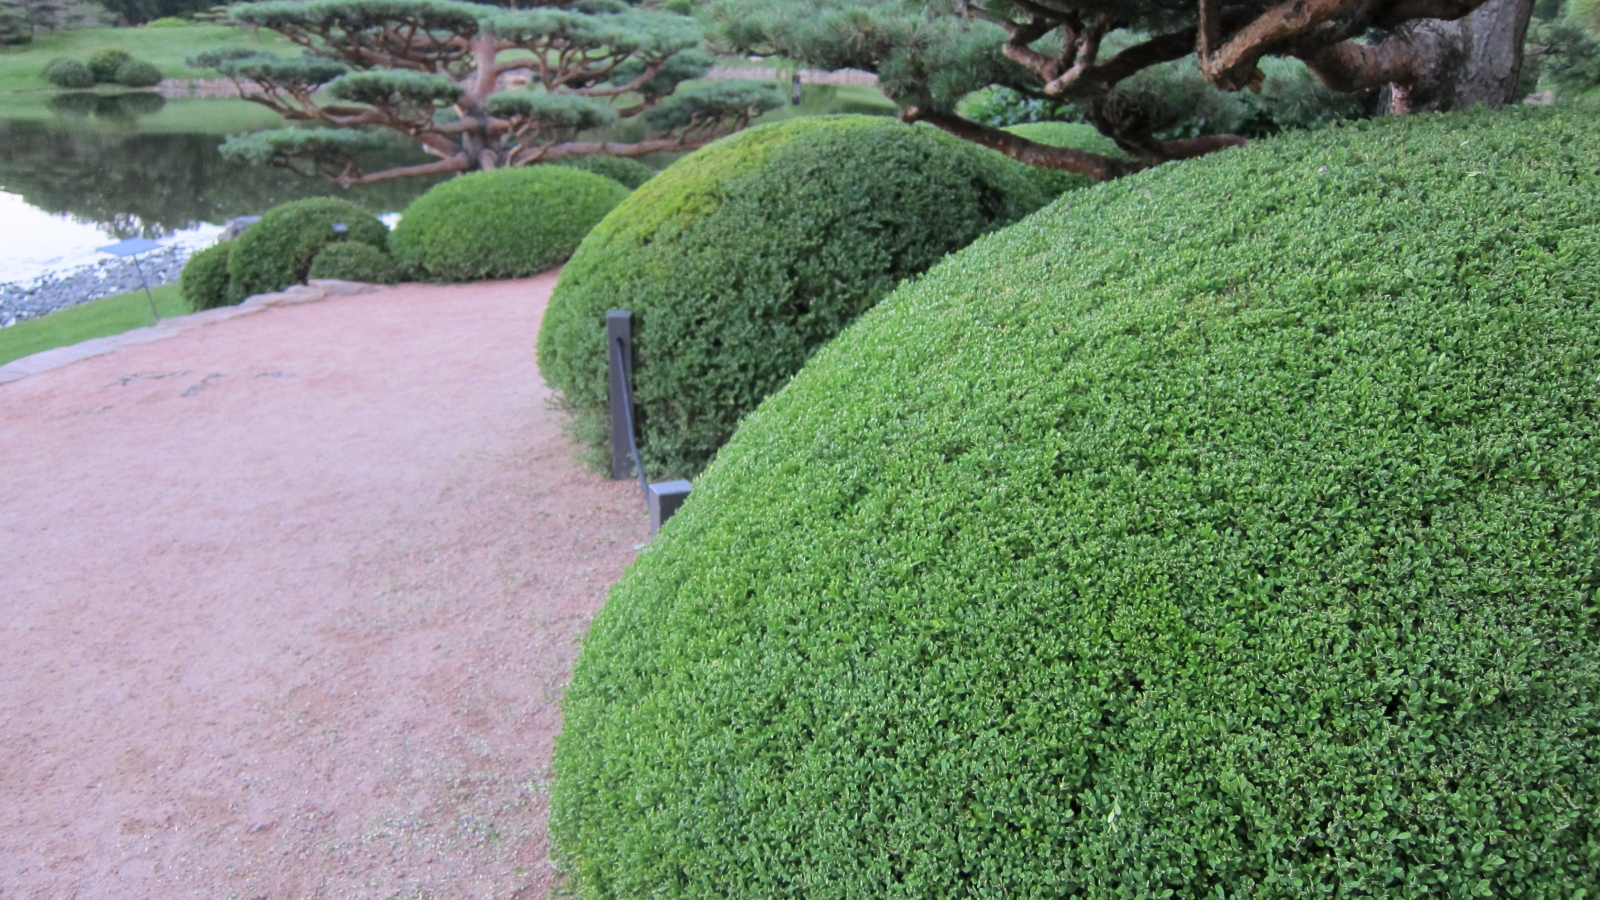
(21, 66)
(97, 318)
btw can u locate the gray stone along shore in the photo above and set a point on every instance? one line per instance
(21, 300)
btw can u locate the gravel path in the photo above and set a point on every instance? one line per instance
(289, 602)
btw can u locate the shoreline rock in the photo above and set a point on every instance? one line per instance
(53, 291)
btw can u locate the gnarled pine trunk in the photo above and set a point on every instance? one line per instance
(1459, 64)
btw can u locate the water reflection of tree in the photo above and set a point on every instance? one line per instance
(154, 184)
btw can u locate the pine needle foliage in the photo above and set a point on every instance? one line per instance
(1229, 530)
(739, 260)
(507, 223)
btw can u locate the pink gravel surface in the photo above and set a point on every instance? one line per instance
(287, 604)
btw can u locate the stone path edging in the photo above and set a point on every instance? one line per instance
(45, 360)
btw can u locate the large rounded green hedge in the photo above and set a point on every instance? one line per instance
(506, 223)
(1233, 531)
(742, 258)
(277, 251)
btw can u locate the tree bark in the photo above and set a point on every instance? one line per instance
(1081, 162)
(1459, 64)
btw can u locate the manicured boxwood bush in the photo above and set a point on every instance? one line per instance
(742, 258)
(137, 73)
(506, 223)
(205, 278)
(630, 172)
(1231, 531)
(278, 250)
(355, 261)
(68, 73)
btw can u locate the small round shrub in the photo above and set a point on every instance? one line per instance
(68, 73)
(355, 261)
(629, 172)
(205, 278)
(1231, 531)
(506, 223)
(278, 250)
(742, 258)
(136, 73)
(168, 22)
(105, 63)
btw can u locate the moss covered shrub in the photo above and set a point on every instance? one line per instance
(68, 73)
(137, 73)
(629, 172)
(204, 284)
(1231, 531)
(355, 261)
(507, 223)
(742, 258)
(278, 250)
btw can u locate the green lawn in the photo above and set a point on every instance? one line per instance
(167, 48)
(97, 318)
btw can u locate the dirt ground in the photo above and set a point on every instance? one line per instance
(287, 604)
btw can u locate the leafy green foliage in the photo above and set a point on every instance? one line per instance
(1173, 101)
(629, 172)
(15, 25)
(505, 223)
(1564, 55)
(168, 22)
(205, 278)
(355, 261)
(742, 258)
(68, 73)
(1233, 530)
(136, 73)
(278, 250)
(104, 63)
(1586, 13)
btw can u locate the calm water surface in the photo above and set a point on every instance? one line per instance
(81, 170)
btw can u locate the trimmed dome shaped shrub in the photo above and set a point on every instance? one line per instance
(137, 73)
(629, 172)
(277, 251)
(68, 73)
(204, 284)
(105, 63)
(505, 223)
(742, 258)
(1231, 531)
(355, 261)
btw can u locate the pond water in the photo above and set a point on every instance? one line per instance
(87, 177)
(78, 171)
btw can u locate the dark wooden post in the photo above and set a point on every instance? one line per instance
(619, 361)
